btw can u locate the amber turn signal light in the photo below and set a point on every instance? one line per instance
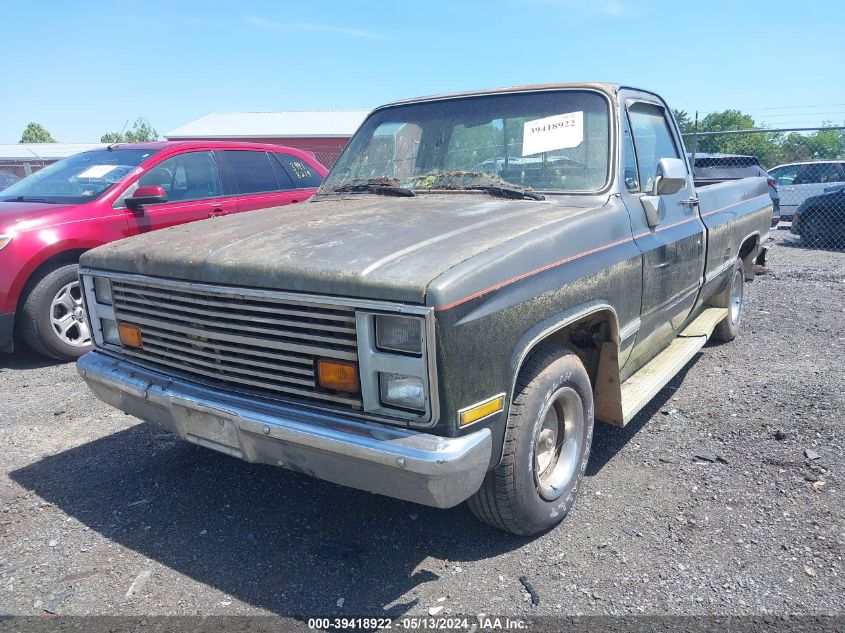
(130, 335)
(337, 375)
(481, 410)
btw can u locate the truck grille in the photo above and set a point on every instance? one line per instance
(260, 344)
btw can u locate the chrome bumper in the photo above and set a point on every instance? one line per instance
(426, 469)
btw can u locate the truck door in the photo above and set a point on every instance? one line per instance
(673, 248)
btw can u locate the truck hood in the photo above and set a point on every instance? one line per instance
(356, 246)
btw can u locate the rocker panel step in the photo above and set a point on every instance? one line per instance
(640, 388)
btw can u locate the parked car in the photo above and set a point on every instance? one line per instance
(820, 220)
(7, 179)
(50, 218)
(799, 181)
(431, 332)
(713, 168)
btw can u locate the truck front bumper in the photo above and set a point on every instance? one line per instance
(426, 469)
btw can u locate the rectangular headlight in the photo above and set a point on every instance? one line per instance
(102, 291)
(405, 392)
(401, 334)
(110, 331)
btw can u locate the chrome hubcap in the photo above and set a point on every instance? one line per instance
(67, 316)
(558, 444)
(736, 297)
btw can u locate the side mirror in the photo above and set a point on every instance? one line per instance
(152, 194)
(671, 176)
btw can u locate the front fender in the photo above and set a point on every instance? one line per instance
(540, 332)
(25, 255)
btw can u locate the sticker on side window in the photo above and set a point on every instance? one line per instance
(300, 170)
(561, 131)
(96, 171)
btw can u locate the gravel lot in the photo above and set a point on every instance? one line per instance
(102, 515)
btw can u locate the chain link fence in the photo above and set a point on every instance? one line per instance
(805, 168)
(13, 170)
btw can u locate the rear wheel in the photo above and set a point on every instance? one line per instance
(547, 445)
(732, 298)
(53, 320)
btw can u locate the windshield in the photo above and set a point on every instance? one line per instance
(550, 141)
(77, 179)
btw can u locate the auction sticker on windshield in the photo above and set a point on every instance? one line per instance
(97, 171)
(561, 131)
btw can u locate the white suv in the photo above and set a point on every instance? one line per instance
(799, 181)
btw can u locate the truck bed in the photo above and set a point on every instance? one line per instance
(731, 210)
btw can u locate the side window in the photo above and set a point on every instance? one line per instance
(653, 140)
(253, 171)
(299, 172)
(630, 173)
(785, 175)
(284, 180)
(190, 176)
(817, 173)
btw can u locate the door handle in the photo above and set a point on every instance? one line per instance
(690, 202)
(216, 212)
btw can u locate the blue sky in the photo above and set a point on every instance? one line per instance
(85, 68)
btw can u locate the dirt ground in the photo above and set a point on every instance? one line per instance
(100, 514)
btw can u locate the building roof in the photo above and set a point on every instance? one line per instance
(301, 124)
(44, 151)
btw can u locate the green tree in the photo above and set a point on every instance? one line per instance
(795, 147)
(765, 146)
(684, 121)
(826, 144)
(36, 133)
(141, 131)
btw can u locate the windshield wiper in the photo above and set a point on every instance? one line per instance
(513, 193)
(29, 199)
(469, 181)
(380, 187)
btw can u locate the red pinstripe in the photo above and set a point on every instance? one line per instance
(592, 251)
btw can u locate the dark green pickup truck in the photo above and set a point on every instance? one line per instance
(479, 279)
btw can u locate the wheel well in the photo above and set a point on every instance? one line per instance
(594, 338)
(65, 257)
(748, 253)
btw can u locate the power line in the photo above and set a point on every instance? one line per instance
(821, 105)
(767, 130)
(799, 114)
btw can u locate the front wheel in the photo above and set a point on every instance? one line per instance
(547, 445)
(53, 320)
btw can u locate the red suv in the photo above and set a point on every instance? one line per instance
(50, 218)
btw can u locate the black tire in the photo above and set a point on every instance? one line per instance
(811, 231)
(511, 497)
(728, 328)
(34, 320)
